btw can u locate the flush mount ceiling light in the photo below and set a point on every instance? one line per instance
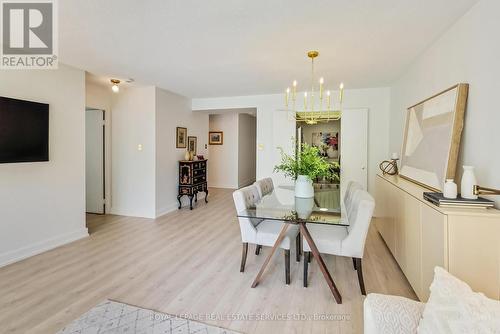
(115, 87)
(315, 109)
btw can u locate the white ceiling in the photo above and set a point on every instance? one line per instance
(245, 47)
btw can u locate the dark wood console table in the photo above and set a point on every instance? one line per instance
(192, 180)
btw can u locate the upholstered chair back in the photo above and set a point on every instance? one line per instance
(352, 186)
(359, 217)
(244, 198)
(264, 186)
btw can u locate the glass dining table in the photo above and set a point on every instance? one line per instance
(281, 206)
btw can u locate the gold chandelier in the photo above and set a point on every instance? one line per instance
(314, 110)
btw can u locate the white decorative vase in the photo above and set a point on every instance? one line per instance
(304, 187)
(303, 207)
(187, 156)
(468, 183)
(450, 189)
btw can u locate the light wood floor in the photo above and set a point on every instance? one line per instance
(186, 262)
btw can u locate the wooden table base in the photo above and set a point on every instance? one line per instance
(305, 232)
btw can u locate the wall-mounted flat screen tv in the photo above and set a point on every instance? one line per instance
(24, 131)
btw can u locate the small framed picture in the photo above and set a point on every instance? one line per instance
(192, 144)
(215, 138)
(181, 137)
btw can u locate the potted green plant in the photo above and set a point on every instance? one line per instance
(304, 167)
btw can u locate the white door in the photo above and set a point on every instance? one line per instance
(94, 160)
(353, 148)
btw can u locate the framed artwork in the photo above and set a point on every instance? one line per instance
(192, 144)
(215, 138)
(181, 137)
(431, 141)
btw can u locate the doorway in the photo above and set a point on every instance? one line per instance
(95, 161)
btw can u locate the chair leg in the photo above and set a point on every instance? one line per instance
(354, 263)
(307, 255)
(257, 249)
(244, 252)
(287, 266)
(360, 277)
(297, 248)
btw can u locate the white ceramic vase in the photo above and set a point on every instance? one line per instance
(450, 189)
(303, 207)
(304, 187)
(468, 183)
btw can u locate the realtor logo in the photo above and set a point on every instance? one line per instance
(28, 34)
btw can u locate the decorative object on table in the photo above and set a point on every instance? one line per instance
(181, 137)
(439, 200)
(187, 156)
(215, 138)
(450, 189)
(192, 180)
(200, 157)
(468, 182)
(390, 166)
(195, 158)
(314, 111)
(110, 316)
(305, 166)
(431, 139)
(192, 144)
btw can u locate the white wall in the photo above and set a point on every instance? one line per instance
(223, 166)
(133, 171)
(468, 52)
(275, 128)
(42, 204)
(247, 143)
(173, 110)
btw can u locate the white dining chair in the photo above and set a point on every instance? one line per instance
(341, 240)
(261, 232)
(264, 186)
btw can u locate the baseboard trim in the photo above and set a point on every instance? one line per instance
(41, 247)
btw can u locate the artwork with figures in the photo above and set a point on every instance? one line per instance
(181, 137)
(432, 138)
(215, 137)
(192, 144)
(327, 142)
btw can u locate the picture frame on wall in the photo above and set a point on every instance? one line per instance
(181, 137)
(192, 144)
(431, 140)
(215, 138)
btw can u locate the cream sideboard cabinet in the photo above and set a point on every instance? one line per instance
(421, 236)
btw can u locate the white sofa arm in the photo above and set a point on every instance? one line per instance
(385, 314)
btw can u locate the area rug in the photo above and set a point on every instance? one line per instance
(114, 317)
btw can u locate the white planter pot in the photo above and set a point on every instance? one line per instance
(304, 187)
(450, 189)
(468, 182)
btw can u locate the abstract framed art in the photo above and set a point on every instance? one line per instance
(432, 134)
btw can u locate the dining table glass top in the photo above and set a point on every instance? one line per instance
(282, 205)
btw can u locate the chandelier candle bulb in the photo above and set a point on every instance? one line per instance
(321, 81)
(287, 96)
(294, 92)
(341, 93)
(305, 101)
(328, 99)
